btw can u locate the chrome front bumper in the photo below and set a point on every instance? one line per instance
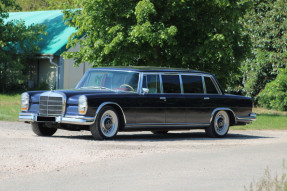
(246, 119)
(68, 119)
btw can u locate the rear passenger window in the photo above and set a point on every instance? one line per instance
(171, 84)
(151, 82)
(192, 84)
(209, 86)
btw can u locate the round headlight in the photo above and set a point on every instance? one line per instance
(83, 105)
(25, 101)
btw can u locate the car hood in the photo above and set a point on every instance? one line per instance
(73, 94)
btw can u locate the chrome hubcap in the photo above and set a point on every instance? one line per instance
(109, 123)
(221, 123)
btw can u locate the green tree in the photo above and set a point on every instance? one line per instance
(39, 5)
(197, 34)
(266, 24)
(17, 43)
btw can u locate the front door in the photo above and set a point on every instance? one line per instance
(150, 103)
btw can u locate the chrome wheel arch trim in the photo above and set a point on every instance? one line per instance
(110, 103)
(222, 109)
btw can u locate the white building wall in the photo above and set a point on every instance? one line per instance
(72, 75)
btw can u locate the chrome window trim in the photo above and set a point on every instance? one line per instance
(87, 72)
(140, 83)
(181, 83)
(147, 73)
(203, 83)
(215, 85)
(161, 85)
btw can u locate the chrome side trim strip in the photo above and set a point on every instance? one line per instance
(222, 108)
(166, 125)
(111, 103)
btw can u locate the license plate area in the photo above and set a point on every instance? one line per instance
(46, 119)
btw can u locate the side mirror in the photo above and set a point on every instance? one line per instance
(145, 90)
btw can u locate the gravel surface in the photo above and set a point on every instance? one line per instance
(23, 153)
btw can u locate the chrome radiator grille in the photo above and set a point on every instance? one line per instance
(51, 106)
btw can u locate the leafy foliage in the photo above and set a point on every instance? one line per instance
(38, 5)
(198, 34)
(274, 96)
(266, 23)
(17, 43)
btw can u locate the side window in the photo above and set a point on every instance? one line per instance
(151, 82)
(192, 84)
(171, 84)
(209, 86)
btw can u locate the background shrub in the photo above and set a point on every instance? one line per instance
(274, 96)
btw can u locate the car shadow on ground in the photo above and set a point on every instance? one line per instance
(171, 136)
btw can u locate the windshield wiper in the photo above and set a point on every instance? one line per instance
(96, 87)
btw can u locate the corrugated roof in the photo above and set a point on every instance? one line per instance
(58, 33)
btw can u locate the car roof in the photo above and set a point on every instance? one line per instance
(150, 69)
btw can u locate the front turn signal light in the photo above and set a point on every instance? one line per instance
(83, 105)
(25, 101)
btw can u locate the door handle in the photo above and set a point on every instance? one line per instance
(206, 98)
(163, 98)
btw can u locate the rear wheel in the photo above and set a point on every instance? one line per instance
(41, 130)
(219, 126)
(159, 132)
(106, 125)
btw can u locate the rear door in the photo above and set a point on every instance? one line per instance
(197, 103)
(174, 102)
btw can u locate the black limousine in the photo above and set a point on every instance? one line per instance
(108, 100)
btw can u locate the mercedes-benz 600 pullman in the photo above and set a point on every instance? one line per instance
(109, 100)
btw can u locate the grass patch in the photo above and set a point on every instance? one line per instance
(269, 182)
(10, 107)
(270, 112)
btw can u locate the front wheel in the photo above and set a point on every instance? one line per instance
(41, 130)
(219, 125)
(106, 125)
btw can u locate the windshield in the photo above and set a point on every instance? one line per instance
(110, 80)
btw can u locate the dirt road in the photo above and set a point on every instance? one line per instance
(184, 160)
